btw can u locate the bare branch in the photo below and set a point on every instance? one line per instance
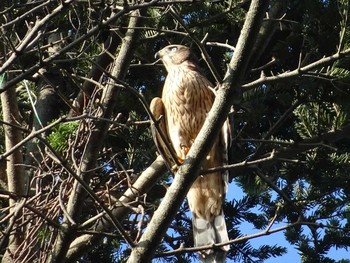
(16, 177)
(95, 142)
(266, 232)
(297, 72)
(142, 185)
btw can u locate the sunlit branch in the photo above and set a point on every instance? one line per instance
(30, 37)
(266, 232)
(302, 71)
(293, 149)
(95, 30)
(224, 45)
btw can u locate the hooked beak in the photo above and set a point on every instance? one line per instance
(157, 55)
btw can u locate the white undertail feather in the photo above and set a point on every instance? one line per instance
(209, 233)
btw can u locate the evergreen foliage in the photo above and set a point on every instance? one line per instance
(294, 128)
(60, 137)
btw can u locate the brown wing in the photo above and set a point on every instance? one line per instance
(160, 134)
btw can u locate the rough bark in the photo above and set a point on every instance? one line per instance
(94, 144)
(101, 63)
(15, 172)
(47, 107)
(143, 184)
(268, 29)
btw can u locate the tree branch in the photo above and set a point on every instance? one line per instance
(15, 173)
(95, 30)
(32, 34)
(284, 153)
(143, 184)
(96, 138)
(200, 45)
(296, 72)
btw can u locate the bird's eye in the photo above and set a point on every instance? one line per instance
(173, 49)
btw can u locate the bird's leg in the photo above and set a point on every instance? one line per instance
(184, 150)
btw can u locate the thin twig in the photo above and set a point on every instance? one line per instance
(296, 72)
(200, 45)
(63, 208)
(86, 187)
(218, 44)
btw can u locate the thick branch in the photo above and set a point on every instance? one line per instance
(268, 29)
(102, 61)
(96, 138)
(15, 173)
(142, 185)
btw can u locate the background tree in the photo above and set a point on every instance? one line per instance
(80, 178)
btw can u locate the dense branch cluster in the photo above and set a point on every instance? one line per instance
(79, 175)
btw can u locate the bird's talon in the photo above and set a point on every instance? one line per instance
(184, 149)
(180, 160)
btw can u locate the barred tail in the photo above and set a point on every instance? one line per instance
(209, 233)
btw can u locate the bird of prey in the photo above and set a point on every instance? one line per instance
(187, 98)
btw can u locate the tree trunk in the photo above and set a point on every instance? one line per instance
(14, 170)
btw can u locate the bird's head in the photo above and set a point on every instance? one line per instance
(174, 55)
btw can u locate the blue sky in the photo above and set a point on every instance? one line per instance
(292, 256)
